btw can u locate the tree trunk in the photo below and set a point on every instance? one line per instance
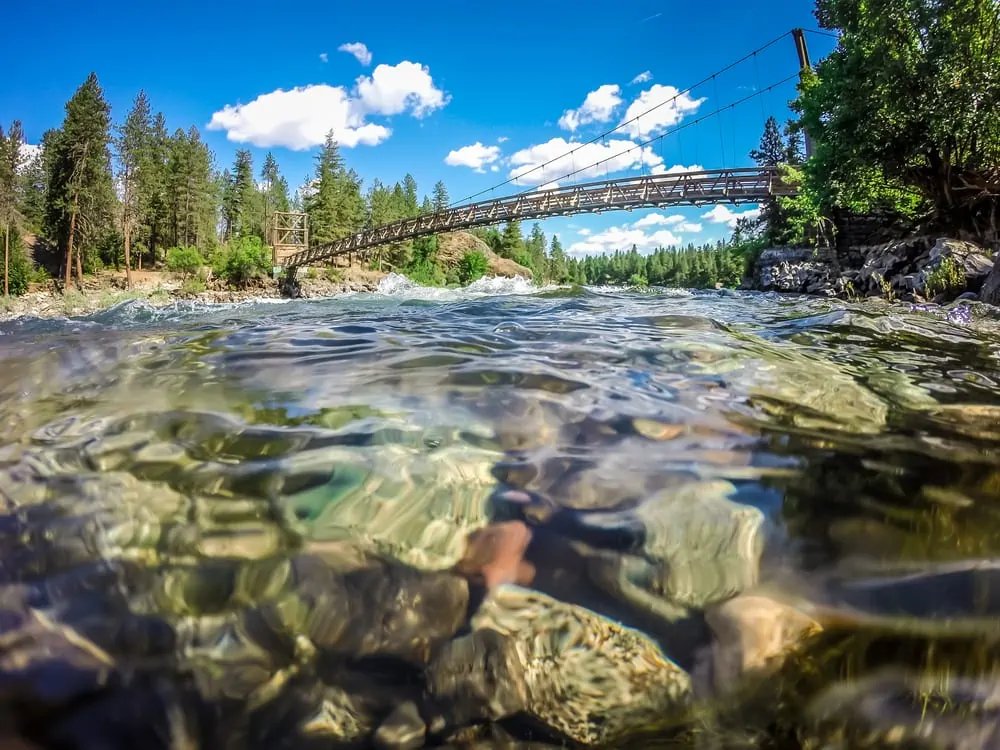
(69, 242)
(128, 254)
(79, 267)
(6, 261)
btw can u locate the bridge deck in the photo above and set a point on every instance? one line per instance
(745, 185)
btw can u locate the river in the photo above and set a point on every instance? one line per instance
(274, 504)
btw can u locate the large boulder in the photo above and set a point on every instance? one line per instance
(990, 291)
(938, 268)
(794, 269)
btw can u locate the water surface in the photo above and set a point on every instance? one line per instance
(175, 466)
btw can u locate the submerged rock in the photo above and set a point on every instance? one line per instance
(580, 675)
(694, 546)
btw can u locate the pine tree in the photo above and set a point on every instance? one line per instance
(512, 243)
(80, 194)
(31, 190)
(134, 142)
(10, 159)
(323, 206)
(772, 150)
(441, 201)
(274, 191)
(153, 188)
(536, 247)
(410, 189)
(239, 198)
(557, 262)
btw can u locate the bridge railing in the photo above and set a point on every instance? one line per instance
(742, 185)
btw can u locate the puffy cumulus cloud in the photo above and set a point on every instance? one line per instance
(720, 214)
(392, 89)
(551, 160)
(598, 106)
(622, 238)
(671, 107)
(300, 118)
(655, 219)
(359, 50)
(644, 77)
(689, 227)
(677, 169)
(475, 156)
(323, 57)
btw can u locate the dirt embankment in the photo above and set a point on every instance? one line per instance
(452, 246)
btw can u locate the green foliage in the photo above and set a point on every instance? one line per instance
(242, 260)
(948, 277)
(511, 241)
(903, 112)
(193, 284)
(80, 196)
(184, 260)
(335, 205)
(638, 280)
(19, 267)
(472, 266)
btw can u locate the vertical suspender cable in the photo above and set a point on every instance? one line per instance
(722, 138)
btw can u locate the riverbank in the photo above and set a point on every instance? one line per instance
(913, 269)
(106, 289)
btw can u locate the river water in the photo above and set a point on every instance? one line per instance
(440, 517)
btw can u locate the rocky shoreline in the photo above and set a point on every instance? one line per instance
(159, 290)
(916, 269)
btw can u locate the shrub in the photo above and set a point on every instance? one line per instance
(19, 267)
(638, 280)
(472, 266)
(243, 259)
(184, 260)
(425, 273)
(947, 277)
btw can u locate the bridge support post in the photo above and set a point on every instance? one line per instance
(803, 52)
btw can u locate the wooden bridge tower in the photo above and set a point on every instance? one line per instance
(289, 234)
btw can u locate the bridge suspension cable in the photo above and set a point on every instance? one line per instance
(661, 136)
(595, 139)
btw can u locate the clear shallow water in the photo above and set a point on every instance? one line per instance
(279, 500)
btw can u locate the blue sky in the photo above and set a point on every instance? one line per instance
(514, 82)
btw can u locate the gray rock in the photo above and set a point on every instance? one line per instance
(581, 674)
(990, 291)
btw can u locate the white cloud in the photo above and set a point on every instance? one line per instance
(615, 155)
(597, 107)
(622, 238)
(584, 232)
(323, 57)
(475, 156)
(689, 227)
(494, 168)
(300, 118)
(502, 139)
(359, 50)
(548, 186)
(644, 77)
(654, 219)
(677, 169)
(395, 88)
(720, 214)
(675, 107)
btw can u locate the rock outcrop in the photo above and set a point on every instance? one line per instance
(918, 268)
(802, 270)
